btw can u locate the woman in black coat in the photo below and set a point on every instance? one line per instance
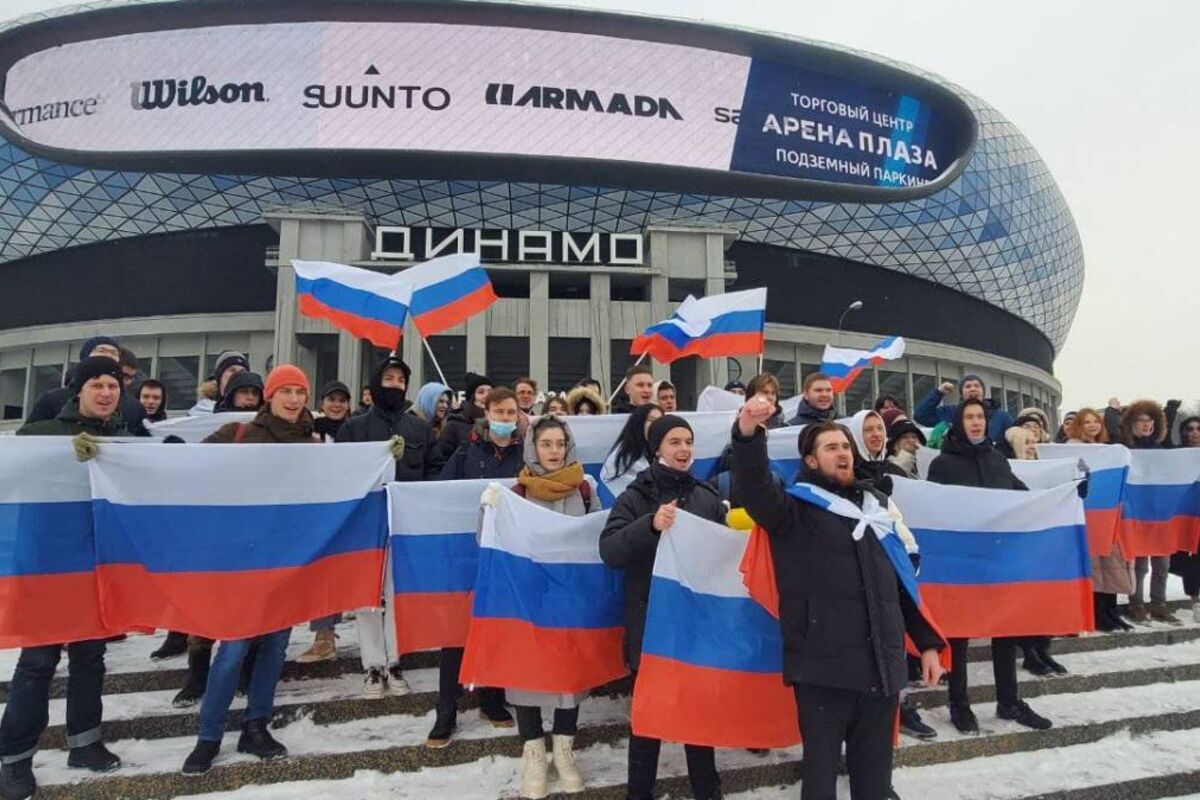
(970, 459)
(629, 543)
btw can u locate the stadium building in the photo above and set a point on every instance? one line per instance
(163, 162)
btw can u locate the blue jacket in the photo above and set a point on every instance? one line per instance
(930, 412)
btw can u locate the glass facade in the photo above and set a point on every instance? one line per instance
(507, 359)
(181, 376)
(569, 359)
(895, 384)
(785, 372)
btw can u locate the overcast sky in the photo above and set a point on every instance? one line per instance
(1109, 94)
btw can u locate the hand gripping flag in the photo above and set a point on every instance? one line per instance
(447, 291)
(233, 541)
(547, 615)
(371, 305)
(1108, 470)
(435, 558)
(996, 562)
(48, 589)
(711, 670)
(729, 324)
(844, 364)
(1160, 510)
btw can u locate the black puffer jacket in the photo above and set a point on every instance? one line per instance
(980, 465)
(422, 459)
(807, 415)
(629, 541)
(456, 431)
(842, 610)
(479, 457)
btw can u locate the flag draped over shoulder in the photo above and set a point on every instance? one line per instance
(547, 615)
(1000, 563)
(230, 542)
(1108, 468)
(711, 670)
(435, 558)
(1160, 510)
(47, 550)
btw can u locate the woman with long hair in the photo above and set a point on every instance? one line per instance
(629, 454)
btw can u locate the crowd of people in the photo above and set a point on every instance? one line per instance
(847, 665)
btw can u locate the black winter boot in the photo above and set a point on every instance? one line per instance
(1043, 652)
(257, 741)
(200, 760)
(443, 726)
(197, 679)
(963, 718)
(95, 757)
(17, 781)
(1020, 713)
(174, 645)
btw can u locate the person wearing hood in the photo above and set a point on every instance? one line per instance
(817, 402)
(1187, 565)
(91, 412)
(460, 422)
(629, 542)
(418, 458)
(334, 405)
(243, 392)
(904, 439)
(736, 387)
(364, 401)
(1143, 426)
(869, 435)
(969, 458)
(212, 391)
(930, 412)
(583, 400)
(50, 403)
(433, 405)
(554, 479)
(152, 395)
(494, 451)
(285, 419)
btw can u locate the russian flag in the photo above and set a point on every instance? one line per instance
(435, 558)
(548, 616)
(1108, 469)
(233, 541)
(48, 588)
(711, 670)
(1160, 512)
(718, 325)
(1000, 563)
(843, 364)
(371, 305)
(447, 291)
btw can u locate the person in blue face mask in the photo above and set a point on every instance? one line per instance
(495, 450)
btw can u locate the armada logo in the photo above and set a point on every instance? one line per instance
(182, 92)
(572, 99)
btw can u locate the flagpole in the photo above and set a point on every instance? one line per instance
(641, 358)
(760, 363)
(433, 358)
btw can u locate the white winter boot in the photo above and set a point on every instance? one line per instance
(569, 779)
(533, 770)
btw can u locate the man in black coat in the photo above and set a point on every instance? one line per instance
(969, 458)
(49, 404)
(817, 403)
(842, 610)
(629, 542)
(460, 421)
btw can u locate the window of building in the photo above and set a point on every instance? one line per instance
(805, 371)
(145, 368)
(629, 288)
(12, 393)
(922, 385)
(621, 361)
(895, 384)
(570, 286)
(679, 288)
(996, 393)
(859, 395)
(180, 375)
(785, 373)
(1012, 401)
(509, 283)
(451, 352)
(569, 361)
(507, 359)
(1026, 402)
(45, 379)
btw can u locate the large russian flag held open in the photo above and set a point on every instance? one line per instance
(47, 553)
(447, 291)
(844, 364)
(229, 542)
(1108, 469)
(718, 325)
(711, 671)
(1160, 512)
(371, 305)
(548, 616)
(1000, 563)
(435, 557)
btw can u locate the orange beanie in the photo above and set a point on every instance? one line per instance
(284, 375)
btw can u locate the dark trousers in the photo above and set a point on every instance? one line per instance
(27, 712)
(1004, 668)
(864, 721)
(449, 689)
(529, 722)
(643, 768)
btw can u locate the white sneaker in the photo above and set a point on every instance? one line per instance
(569, 779)
(1196, 611)
(533, 770)
(374, 683)
(397, 686)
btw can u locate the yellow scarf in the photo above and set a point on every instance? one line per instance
(553, 485)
